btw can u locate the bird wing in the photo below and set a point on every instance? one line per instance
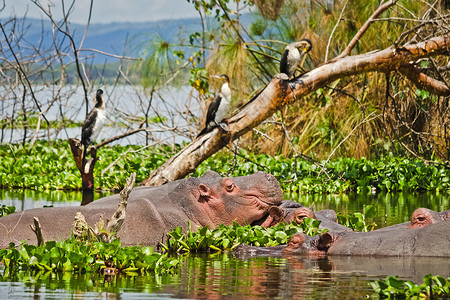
(88, 126)
(212, 109)
(284, 63)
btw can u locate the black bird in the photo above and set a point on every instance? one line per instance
(94, 122)
(292, 56)
(219, 107)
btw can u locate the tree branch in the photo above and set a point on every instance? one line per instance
(280, 92)
(424, 81)
(357, 37)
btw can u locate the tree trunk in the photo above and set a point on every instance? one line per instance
(86, 167)
(279, 92)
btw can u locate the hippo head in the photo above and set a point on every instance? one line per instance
(243, 199)
(302, 244)
(282, 214)
(423, 217)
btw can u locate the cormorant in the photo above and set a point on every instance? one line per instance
(94, 122)
(219, 107)
(292, 56)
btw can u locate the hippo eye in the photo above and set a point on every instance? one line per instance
(296, 241)
(230, 187)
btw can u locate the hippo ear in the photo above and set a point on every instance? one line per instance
(276, 213)
(312, 207)
(325, 241)
(205, 191)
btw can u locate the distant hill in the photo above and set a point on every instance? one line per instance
(111, 38)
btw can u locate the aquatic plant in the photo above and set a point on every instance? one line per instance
(357, 220)
(73, 256)
(45, 167)
(433, 287)
(225, 238)
(6, 210)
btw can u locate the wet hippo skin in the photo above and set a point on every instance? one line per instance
(432, 241)
(289, 211)
(401, 240)
(154, 211)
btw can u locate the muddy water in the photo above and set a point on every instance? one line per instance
(222, 276)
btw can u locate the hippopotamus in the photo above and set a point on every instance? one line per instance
(152, 212)
(423, 217)
(432, 241)
(289, 211)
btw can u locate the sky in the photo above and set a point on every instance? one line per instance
(105, 11)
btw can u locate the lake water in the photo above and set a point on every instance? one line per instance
(223, 276)
(126, 106)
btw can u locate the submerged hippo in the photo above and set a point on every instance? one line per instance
(432, 241)
(289, 211)
(420, 218)
(154, 211)
(423, 217)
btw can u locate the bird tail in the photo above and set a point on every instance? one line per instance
(84, 154)
(204, 130)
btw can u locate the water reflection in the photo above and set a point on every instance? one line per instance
(222, 276)
(392, 208)
(27, 199)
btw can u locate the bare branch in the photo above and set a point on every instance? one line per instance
(383, 7)
(424, 81)
(37, 229)
(280, 92)
(334, 29)
(109, 54)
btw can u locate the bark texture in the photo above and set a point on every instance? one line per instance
(280, 92)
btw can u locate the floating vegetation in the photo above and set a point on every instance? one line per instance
(45, 167)
(357, 221)
(74, 256)
(6, 210)
(433, 287)
(225, 238)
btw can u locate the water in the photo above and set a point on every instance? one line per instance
(223, 276)
(125, 108)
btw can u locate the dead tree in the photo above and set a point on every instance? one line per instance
(85, 166)
(280, 92)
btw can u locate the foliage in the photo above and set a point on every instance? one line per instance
(225, 238)
(32, 121)
(6, 210)
(296, 176)
(51, 167)
(433, 287)
(45, 167)
(73, 256)
(357, 221)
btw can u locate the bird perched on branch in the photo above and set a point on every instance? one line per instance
(292, 55)
(219, 107)
(94, 122)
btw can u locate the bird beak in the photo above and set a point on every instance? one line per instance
(215, 76)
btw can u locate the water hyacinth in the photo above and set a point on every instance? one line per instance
(225, 238)
(52, 167)
(433, 287)
(73, 256)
